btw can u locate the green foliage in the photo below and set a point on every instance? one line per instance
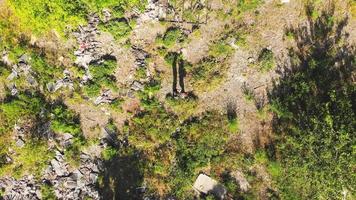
(207, 74)
(64, 120)
(198, 144)
(47, 192)
(24, 106)
(220, 50)
(102, 78)
(246, 5)
(314, 107)
(172, 36)
(32, 158)
(266, 60)
(109, 153)
(233, 125)
(183, 108)
(41, 16)
(119, 29)
(152, 127)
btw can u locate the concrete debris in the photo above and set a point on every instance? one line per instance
(105, 97)
(241, 180)
(107, 15)
(137, 86)
(155, 11)
(89, 47)
(206, 185)
(65, 82)
(5, 58)
(25, 188)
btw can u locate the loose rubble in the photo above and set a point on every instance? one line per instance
(90, 49)
(65, 82)
(25, 188)
(22, 68)
(155, 11)
(68, 184)
(105, 97)
(240, 178)
(5, 58)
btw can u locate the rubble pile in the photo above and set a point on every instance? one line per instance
(25, 188)
(105, 97)
(89, 46)
(65, 82)
(5, 58)
(22, 68)
(154, 11)
(75, 184)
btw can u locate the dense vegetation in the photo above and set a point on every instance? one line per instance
(168, 140)
(315, 112)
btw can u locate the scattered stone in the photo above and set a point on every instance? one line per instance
(137, 86)
(89, 50)
(13, 89)
(107, 15)
(5, 58)
(58, 168)
(20, 143)
(65, 82)
(155, 11)
(24, 188)
(140, 56)
(105, 97)
(240, 178)
(251, 60)
(204, 184)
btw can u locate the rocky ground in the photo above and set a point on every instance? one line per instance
(93, 46)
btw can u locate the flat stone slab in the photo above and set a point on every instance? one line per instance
(206, 185)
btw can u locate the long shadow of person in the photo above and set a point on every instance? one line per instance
(181, 71)
(175, 74)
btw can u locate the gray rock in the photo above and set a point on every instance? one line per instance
(137, 86)
(20, 143)
(58, 168)
(24, 58)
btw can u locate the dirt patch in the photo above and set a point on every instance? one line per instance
(92, 118)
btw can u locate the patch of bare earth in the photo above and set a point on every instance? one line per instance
(255, 130)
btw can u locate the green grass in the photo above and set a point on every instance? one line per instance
(47, 192)
(233, 125)
(207, 74)
(266, 60)
(102, 78)
(220, 50)
(183, 108)
(33, 158)
(109, 153)
(42, 16)
(171, 37)
(119, 29)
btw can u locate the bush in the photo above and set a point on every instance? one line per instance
(266, 60)
(172, 36)
(314, 105)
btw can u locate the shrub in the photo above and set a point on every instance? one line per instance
(314, 105)
(266, 60)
